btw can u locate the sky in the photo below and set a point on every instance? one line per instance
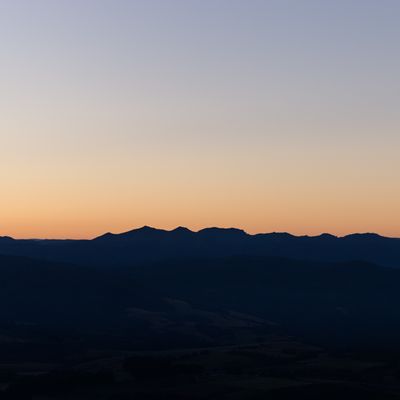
(274, 115)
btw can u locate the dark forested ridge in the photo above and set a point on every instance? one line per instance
(154, 314)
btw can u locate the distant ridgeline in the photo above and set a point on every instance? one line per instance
(147, 245)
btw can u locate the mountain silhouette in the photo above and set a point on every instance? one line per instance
(148, 244)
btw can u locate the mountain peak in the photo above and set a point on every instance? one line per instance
(367, 235)
(215, 231)
(326, 236)
(146, 228)
(181, 229)
(6, 238)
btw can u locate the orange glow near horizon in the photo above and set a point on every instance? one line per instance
(64, 223)
(255, 115)
(258, 193)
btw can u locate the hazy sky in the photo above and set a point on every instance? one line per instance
(265, 115)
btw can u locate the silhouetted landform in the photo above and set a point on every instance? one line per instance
(153, 314)
(149, 244)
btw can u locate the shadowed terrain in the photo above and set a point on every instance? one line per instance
(188, 326)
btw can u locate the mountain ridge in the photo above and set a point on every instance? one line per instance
(147, 244)
(150, 229)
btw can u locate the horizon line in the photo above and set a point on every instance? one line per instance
(203, 229)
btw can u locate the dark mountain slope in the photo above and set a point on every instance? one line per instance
(146, 245)
(342, 304)
(266, 327)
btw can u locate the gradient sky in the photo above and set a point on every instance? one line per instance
(265, 115)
